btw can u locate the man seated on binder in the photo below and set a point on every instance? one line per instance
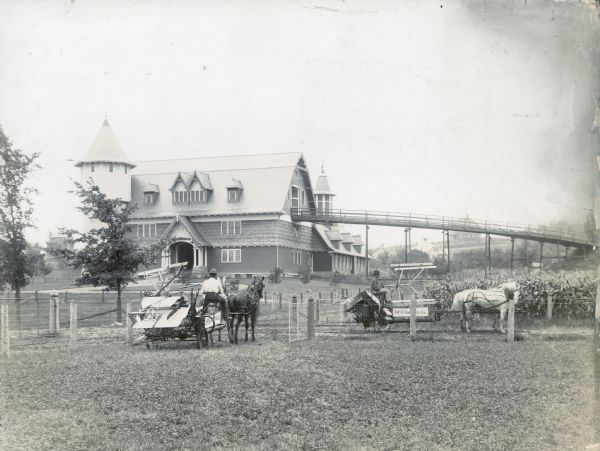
(212, 289)
(379, 289)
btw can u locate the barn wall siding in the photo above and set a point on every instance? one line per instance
(321, 262)
(254, 260)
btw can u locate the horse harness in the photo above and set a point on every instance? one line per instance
(508, 295)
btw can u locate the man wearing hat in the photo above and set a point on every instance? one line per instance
(212, 289)
(377, 287)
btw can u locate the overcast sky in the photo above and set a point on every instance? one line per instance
(412, 106)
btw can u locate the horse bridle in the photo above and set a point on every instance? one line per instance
(255, 295)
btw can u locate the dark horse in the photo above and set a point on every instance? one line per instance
(244, 304)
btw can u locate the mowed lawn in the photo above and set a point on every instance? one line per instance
(361, 392)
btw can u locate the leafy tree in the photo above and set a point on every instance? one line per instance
(108, 257)
(305, 272)
(334, 278)
(275, 275)
(37, 261)
(418, 256)
(15, 216)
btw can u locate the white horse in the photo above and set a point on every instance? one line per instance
(495, 298)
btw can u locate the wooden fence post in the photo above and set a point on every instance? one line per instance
(52, 313)
(73, 324)
(37, 309)
(128, 325)
(310, 319)
(331, 296)
(549, 307)
(292, 311)
(57, 314)
(279, 296)
(4, 331)
(318, 309)
(510, 335)
(413, 318)
(102, 296)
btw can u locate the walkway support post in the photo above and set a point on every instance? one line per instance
(510, 335)
(541, 254)
(512, 253)
(448, 244)
(366, 248)
(310, 319)
(406, 245)
(443, 245)
(549, 306)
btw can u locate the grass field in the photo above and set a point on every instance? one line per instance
(368, 391)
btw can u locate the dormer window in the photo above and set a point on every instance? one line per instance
(150, 194)
(197, 193)
(148, 198)
(234, 191)
(180, 193)
(191, 188)
(233, 195)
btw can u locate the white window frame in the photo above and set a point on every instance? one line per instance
(298, 198)
(233, 195)
(231, 227)
(148, 196)
(198, 196)
(180, 196)
(231, 255)
(146, 230)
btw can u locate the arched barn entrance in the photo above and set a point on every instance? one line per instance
(182, 252)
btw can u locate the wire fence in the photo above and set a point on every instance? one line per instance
(66, 319)
(45, 320)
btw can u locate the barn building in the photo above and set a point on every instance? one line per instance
(232, 213)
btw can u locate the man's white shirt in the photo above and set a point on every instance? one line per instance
(211, 286)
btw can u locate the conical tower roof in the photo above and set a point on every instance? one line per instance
(322, 186)
(105, 148)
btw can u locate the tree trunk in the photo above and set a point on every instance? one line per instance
(119, 302)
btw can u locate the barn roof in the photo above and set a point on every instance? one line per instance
(265, 180)
(224, 163)
(324, 232)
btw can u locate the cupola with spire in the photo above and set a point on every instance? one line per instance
(107, 164)
(323, 193)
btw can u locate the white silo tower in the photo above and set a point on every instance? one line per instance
(107, 164)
